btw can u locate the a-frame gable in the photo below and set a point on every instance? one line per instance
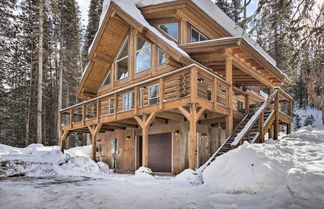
(113, 30)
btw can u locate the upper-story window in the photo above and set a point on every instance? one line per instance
(172, 29)
(161, 57)
(128, 101)
(111, 109)
(153, 94)
(197, 36)
(121, 62)
(143, 55)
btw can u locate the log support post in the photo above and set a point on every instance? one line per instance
(192, 116)
(271, 133)
(229, 80)
(145, 123)
(63, 138)
(276, 121)
(94, 130)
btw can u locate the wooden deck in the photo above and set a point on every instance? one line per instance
(209, 91)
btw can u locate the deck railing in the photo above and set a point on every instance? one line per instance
(190, 82)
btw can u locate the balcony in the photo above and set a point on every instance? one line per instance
(187, 85)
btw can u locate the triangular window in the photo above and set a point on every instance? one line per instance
(107, 80)
(121, 61)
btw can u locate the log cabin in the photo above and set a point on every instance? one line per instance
(172, 85)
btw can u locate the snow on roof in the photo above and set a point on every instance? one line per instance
(131, 8)
(207, 6)
(214, 12)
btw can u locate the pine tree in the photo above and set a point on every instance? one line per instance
(94, 14)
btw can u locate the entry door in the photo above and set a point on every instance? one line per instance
(160, 152)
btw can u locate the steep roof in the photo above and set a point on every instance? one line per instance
(131, 7)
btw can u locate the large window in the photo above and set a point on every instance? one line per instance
(197, 36)
(128, 101)
(121, 61)
(171, 29)
(143, 55)
(153, 94)
(162, 57)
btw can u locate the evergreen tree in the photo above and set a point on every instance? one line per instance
(94, 14)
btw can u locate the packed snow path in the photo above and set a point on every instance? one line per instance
(288, 173)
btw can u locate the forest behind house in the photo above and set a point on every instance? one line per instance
(43, 51)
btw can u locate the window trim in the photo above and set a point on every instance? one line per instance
(136, 51)
(176, 39)
(157, 95)
(199, 34)
(126, 40)
(128, 93)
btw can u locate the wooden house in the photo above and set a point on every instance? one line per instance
(171, 84)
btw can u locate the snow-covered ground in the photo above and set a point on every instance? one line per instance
(288, 173)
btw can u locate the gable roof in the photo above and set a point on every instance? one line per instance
(131, 9)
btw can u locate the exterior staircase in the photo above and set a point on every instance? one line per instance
(250, 128)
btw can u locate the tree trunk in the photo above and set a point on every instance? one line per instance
(40, 73)
(60, 92)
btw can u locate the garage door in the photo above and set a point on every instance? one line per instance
(160, 152)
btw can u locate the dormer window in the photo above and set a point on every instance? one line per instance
(143, 55)
(172, 29)
(121, 61)
(197, 36)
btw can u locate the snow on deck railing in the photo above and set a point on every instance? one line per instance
(254, 118)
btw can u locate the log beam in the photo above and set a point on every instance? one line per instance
(94, 130)
(145, 123)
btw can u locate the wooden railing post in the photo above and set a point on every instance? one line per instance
(136, 100)
(115, 106)
(71, 117)
(194, 84)
(161, 93)
(214, 92)
(83, 114)
(98, 110)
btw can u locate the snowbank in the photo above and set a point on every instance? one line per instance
(189, 176)
(294, 164)
(143, 173)
(37, 160)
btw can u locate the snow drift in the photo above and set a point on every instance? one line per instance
(294, 164)
(37, 160)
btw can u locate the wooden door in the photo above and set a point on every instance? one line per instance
(160, 152)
